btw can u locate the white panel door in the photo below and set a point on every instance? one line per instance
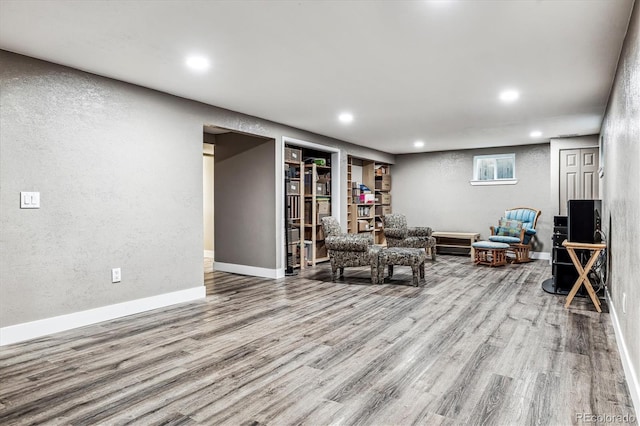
(589, 173)
(578, 176)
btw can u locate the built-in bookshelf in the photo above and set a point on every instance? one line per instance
(369, 192)
(308, 182)
(293, 170)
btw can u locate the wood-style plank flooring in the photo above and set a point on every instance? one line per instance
(472, 345)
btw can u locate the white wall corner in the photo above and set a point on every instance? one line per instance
(630, 373)
(540, 255)
(249, 270)
(31, 330)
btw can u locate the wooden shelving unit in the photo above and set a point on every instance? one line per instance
(293, 167)
(308, 200)
(350, 219)
(369, 203)
(317, 200)
(382, 199)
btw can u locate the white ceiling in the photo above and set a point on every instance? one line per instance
(407, 70)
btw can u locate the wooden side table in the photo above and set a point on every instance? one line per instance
(455, 242)
(583, 272)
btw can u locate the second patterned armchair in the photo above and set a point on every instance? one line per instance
(398, 234)
(348, 249)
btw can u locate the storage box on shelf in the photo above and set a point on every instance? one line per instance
(292, 154)
(322, 208)
(383, 198)
(382, 210)
(383, 183)
(364, 225)
(321, 188)
(293, 187)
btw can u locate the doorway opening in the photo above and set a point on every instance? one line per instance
(208, 205)
(238, 201)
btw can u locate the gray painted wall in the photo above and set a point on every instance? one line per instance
(245, 205)
(119, 188)
(119, 168)
(621, 182)
(433, 189)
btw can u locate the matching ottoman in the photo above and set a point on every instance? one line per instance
(490, 253)
(414, 257)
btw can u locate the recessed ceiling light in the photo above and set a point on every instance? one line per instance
(440, 2)
(197, 63)
(418, 144)
(535, 134)
(346, 117)
(509, 95)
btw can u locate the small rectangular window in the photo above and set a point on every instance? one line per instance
(497, 169)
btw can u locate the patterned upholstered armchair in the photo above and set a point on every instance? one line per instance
(348, 249)
(517, 228)
(398, 234)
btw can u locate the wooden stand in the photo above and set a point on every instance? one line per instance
(583, 272)
(456, 242)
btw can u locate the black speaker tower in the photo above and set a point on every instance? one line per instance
(584, 221)
(581, 225)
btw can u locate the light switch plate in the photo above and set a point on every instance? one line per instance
(29, 200)
(116, 275)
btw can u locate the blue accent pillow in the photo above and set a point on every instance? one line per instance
(509, 228)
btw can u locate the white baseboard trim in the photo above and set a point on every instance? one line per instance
(248, 270)
(629, 371)
(30, 330)
(209, 253)
(540, 255)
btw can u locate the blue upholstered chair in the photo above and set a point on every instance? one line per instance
(517, 228)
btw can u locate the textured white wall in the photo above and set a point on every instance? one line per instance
(119, 168)
(120, 185)
(621, 195)
(433, 189)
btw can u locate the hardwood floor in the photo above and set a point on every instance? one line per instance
(472, 345)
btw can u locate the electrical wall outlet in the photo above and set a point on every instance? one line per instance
(116, 275)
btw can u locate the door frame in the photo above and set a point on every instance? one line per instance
(556, 145)
(336, 188)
